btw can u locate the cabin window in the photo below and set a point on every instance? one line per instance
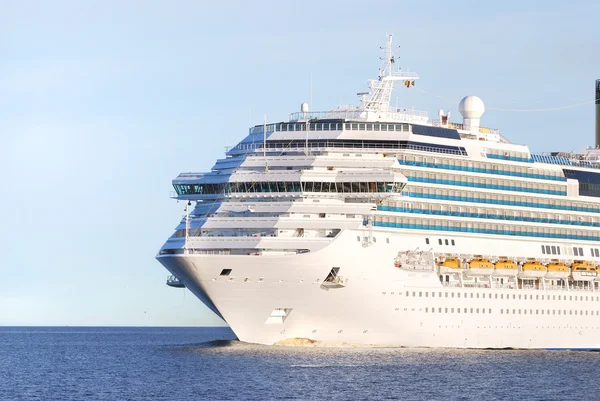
(446, 242)
(576, 252)
(553, 250)
(440, 241)
(548, 251)
(452, 242)
(225, 272)
(580, 251)
(427, 241)
(543, 249)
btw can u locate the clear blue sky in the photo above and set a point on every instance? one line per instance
(102, 103)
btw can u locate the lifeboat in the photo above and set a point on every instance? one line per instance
(480, 267)
(450, 266)
(532, 269)
(505, 268)
(583, 271)
(557, 270)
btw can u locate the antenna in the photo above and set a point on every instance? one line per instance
(306, 152)
(311, 103)
(265, 142)
(380, 90)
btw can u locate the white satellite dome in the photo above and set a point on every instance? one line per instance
(471, 107)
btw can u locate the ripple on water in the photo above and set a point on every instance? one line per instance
(201, 363)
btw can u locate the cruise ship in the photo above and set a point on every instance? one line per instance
(376, 225)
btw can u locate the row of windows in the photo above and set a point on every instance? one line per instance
(283, 187)
(495, 229)
(509, 215)
(571, 251)
(445, 241)
(570, 312)
(451, 310)
(486, 168)
(549, 312)
(521, 158)
(487, 184)
(329, 126)
(499, 199)
(490, 295)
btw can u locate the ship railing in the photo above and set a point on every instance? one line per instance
(359, 114)
(333, 114)
(451, 284)
(481, 130)
(327, 145)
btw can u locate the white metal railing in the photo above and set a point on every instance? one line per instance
(358, 114)
(333, 114)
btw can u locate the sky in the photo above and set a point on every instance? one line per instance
(103, 103)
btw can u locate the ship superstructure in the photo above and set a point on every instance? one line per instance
(376, 225)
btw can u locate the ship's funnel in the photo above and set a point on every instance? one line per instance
(597, 113)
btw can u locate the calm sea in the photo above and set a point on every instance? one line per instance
(77, 363)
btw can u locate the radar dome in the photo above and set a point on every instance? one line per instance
(471, 107)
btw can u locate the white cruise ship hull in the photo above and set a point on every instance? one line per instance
(380, 304)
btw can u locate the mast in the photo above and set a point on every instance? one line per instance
(265, 142)
(380, 90)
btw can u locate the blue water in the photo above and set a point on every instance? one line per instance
(208, 364)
